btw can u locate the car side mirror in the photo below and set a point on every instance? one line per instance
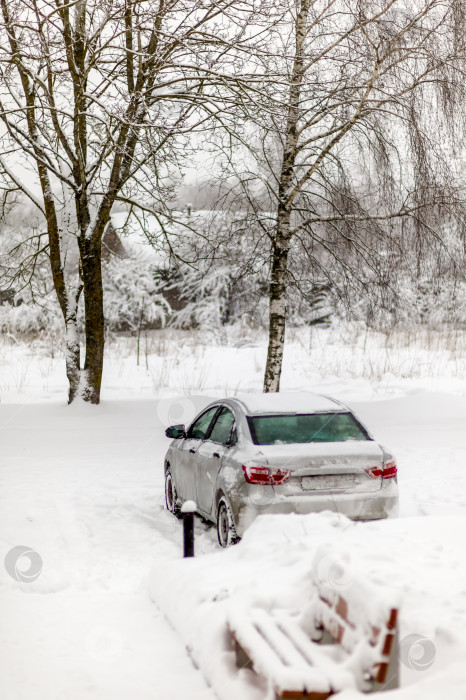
(176, 432)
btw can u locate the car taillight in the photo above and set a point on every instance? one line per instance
(264, 475)
(374, 472)
(279, 476)
(388, 472)
(256, 475)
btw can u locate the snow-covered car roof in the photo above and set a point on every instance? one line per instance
(287, 402)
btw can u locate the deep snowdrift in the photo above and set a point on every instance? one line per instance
(420, 559)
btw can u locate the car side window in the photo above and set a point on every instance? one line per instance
(199, 428)
(222, 427)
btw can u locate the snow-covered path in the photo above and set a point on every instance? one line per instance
(82, 487)
(88, 645)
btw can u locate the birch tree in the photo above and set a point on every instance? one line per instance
(359, 136)
(97, 103)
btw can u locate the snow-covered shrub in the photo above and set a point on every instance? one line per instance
(132, 299)
(309, 303)
(28, 319)
(439, 301)
(215, 295)
(132, 296)
(218, 273)
(28, 304)
(206, 298)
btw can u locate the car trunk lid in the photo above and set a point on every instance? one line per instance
(326, 467)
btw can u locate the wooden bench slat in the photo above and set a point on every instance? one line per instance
(295, 648)
(291, 695)
(278, 640)
(316, 654)
(274, 655)
(256, 647)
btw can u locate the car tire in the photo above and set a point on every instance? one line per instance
(226, 531)
(171, 497)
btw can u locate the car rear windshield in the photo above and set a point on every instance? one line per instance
(316, 427)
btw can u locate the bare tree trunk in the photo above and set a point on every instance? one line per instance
(281, 244)
(72, 355)
(277, 306)
(94, 320)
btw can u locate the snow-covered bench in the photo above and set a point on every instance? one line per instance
(345, 638)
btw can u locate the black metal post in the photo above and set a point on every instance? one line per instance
(188, 508)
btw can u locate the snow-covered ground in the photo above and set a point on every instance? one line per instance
(83, 487)
(345, 360)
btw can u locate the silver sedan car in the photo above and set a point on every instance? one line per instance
(277, 453)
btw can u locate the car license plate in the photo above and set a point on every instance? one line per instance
(323, 482)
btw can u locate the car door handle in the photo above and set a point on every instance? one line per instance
(192, 450)
(216, 454)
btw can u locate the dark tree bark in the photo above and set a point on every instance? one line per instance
(94, 319)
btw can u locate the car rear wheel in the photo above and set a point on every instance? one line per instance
(171, 498)
(226, 531)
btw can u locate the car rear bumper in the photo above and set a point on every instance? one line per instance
(359, 506)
